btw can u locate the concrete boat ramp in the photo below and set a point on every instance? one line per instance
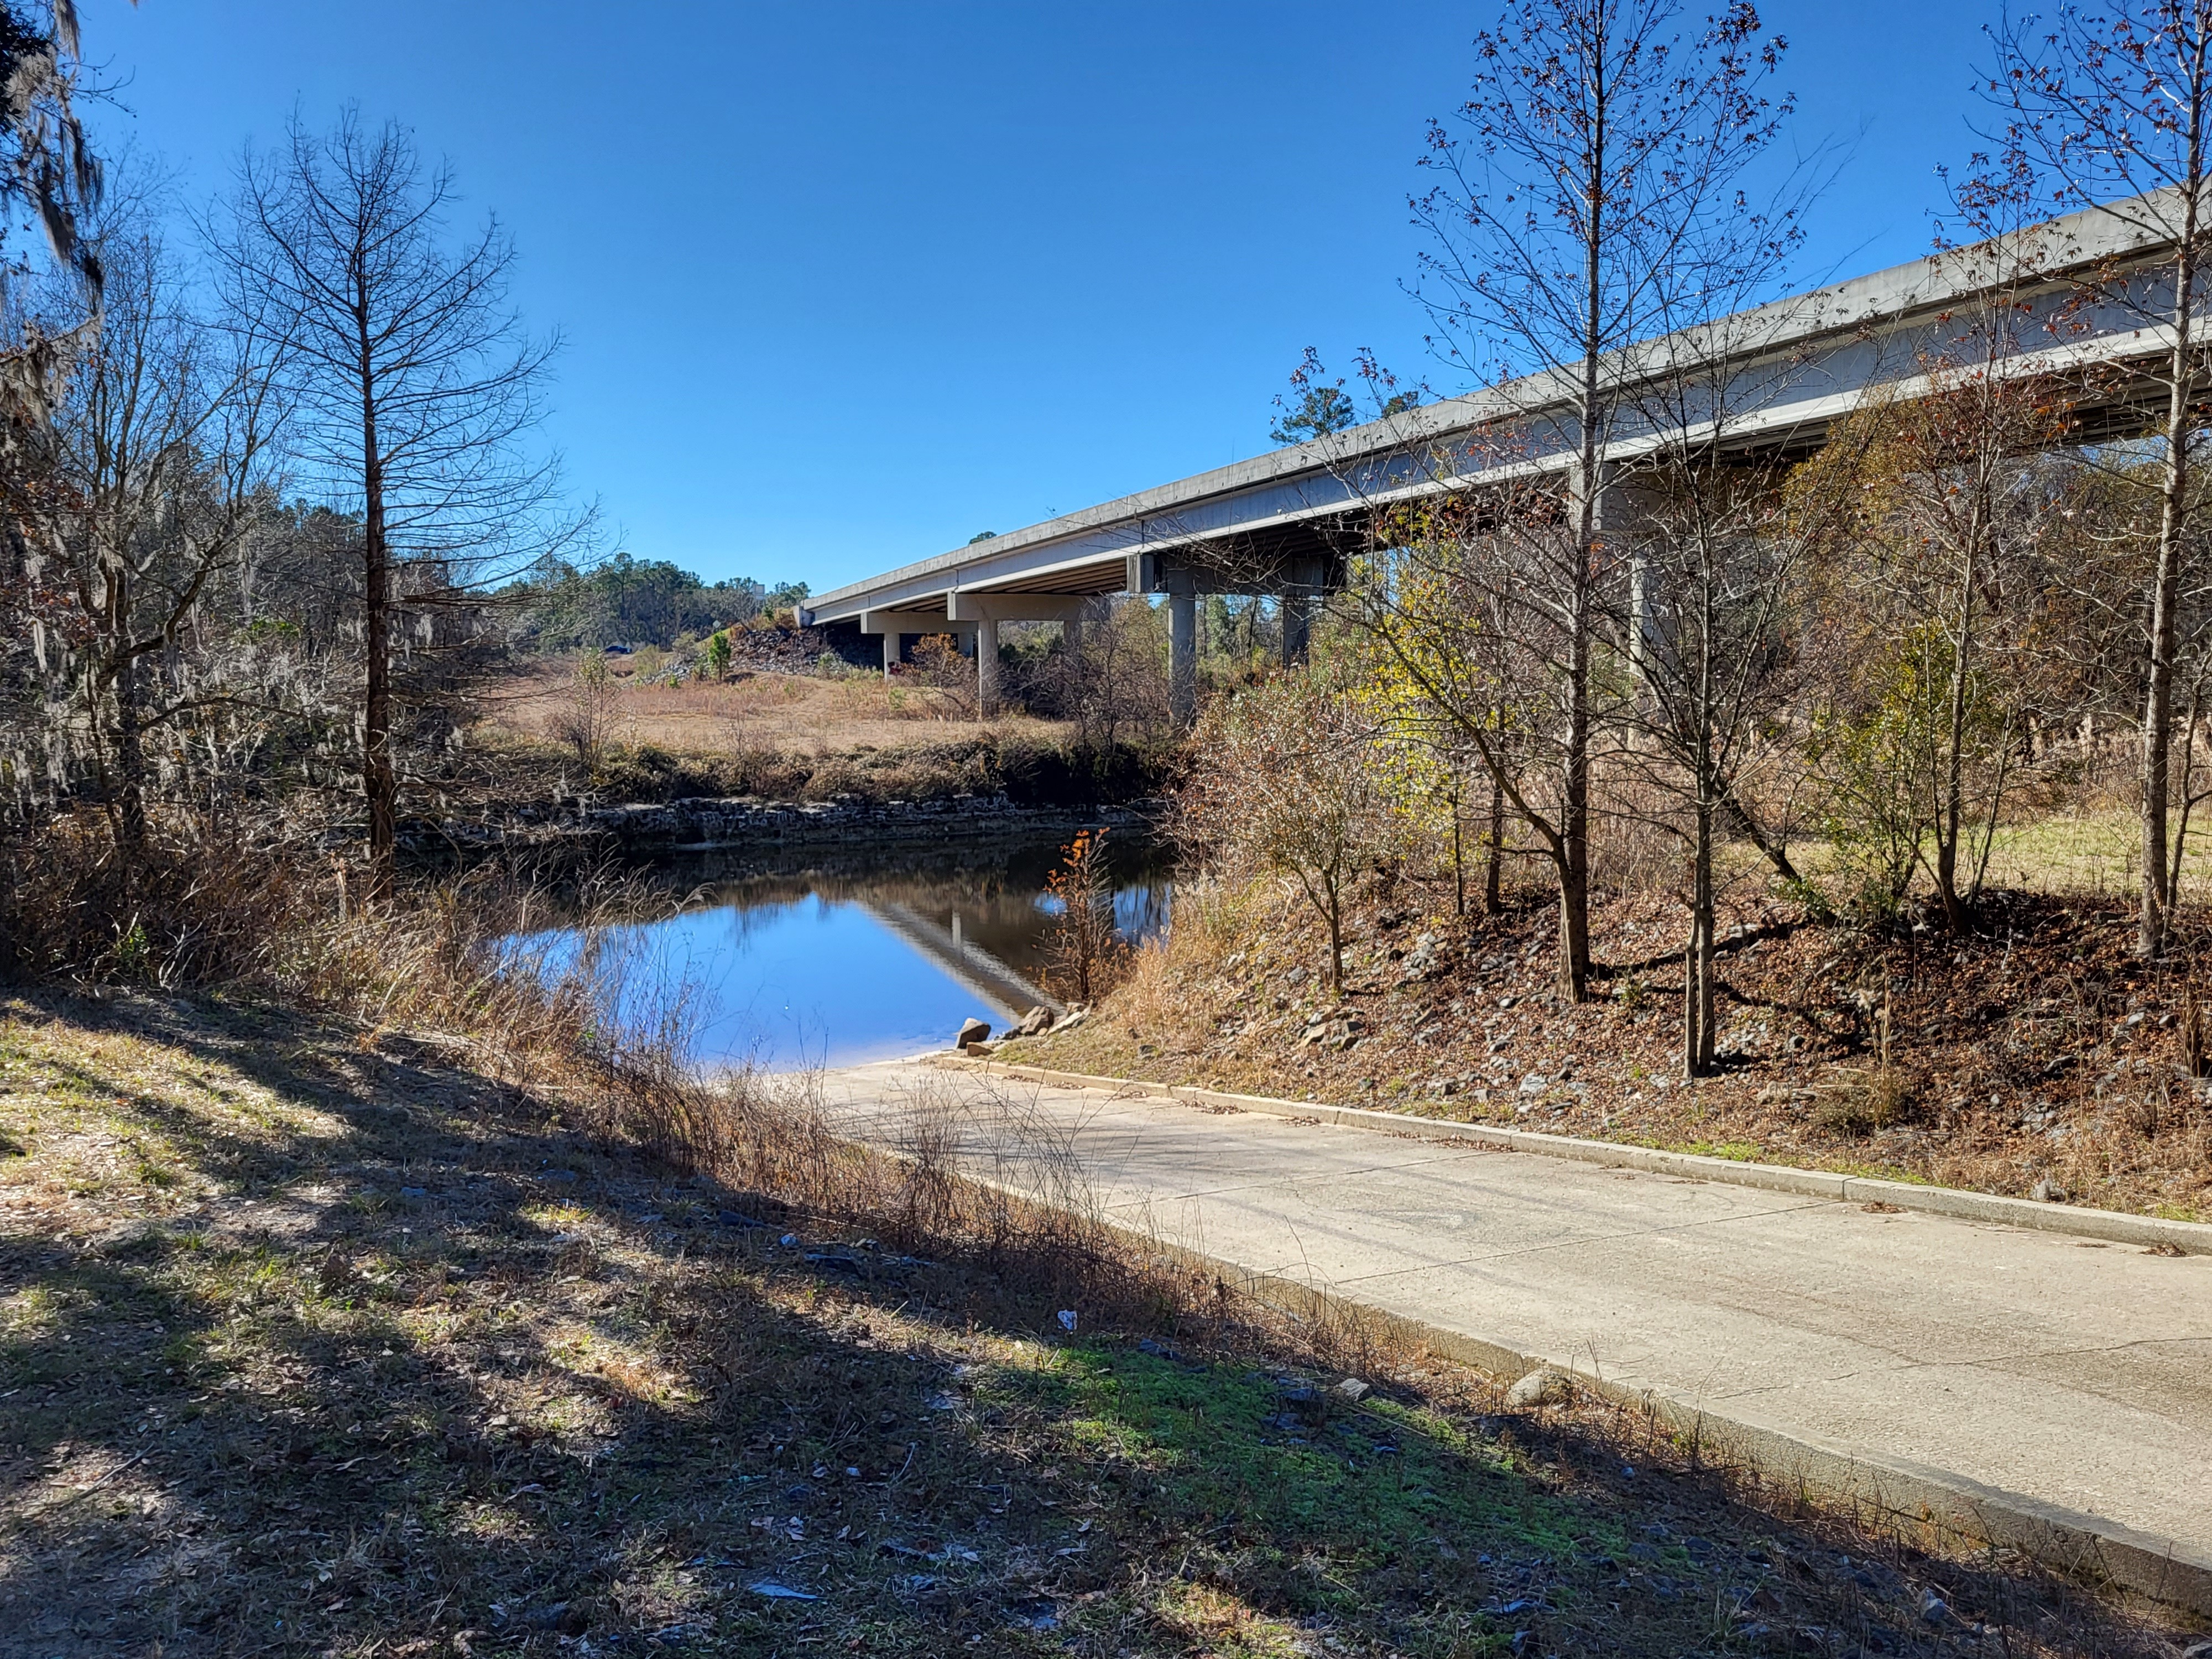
(2037, 1388)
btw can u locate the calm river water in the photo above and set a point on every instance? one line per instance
(792, 969)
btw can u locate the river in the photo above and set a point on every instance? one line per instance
(796, 967)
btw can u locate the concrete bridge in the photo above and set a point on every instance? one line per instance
(1283, 524)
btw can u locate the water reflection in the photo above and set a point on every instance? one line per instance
(802, 966)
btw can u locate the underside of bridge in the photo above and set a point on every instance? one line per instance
(1296, 563)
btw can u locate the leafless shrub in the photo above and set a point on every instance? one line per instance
(1873, 1097)
(1288, 788)
(589, 719)
(2195, 1061)
(198, 900)
(1108, 676)
(944, 679)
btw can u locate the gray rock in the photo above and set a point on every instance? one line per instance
(1034, 1022)
(1543, 1387)
(2047, 1191)
(975, 1030)
(1420, 962)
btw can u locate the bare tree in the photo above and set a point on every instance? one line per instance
(161, 451)
(1719, 668)
(1288, 789)
(1939, 506)
(2115, 98)
(1591, 179)
(46, 163)
(414, 387)
(1109, 677)
(1444, 675)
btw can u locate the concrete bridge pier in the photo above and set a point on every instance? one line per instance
(1302, 581)
(897, 626)
(1627, 512)
(1183, 657)
(987, 669)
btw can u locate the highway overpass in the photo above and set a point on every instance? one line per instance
(1283, 523)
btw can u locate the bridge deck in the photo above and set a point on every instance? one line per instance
(1804, 361)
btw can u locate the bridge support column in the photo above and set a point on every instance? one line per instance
(1182, 657)
(987, 669)
(892, 641)
(1623, 517)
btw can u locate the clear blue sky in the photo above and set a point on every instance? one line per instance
(844, 285)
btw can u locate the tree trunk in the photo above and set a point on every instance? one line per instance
(130, 766)
(2188, 797)
(1574, 816)
(1574, 806)
(1574, 936)
(2166, 584)
(1336, 943)
(1697, 1000)
(1771, 849)
(1950, 810)
(128, 792)
(1493, 862)
(379, 786)
(1459, 859)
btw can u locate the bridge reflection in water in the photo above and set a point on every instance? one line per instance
(804, 968)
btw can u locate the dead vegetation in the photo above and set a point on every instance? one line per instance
(810, 714)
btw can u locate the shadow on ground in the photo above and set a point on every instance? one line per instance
(318, 1342)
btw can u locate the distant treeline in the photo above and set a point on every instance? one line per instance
(628, 601)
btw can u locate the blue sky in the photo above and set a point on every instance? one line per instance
(842, 284)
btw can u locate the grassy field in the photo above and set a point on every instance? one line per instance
(805, 713)
(317, 1341)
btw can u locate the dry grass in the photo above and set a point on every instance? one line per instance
(2094, 853)
(2093, 850)
(318, 1339)
(799, 713)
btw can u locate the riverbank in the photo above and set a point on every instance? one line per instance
(2036, 1059)
(320, 1339)
(506, 790)
(860, 829)
(788, 736)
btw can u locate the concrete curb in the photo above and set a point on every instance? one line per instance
(1941, 1506)
(2111, 1225)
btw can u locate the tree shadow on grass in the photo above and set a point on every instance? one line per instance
(395, 1364)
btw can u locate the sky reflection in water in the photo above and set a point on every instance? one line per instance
(786, 972)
